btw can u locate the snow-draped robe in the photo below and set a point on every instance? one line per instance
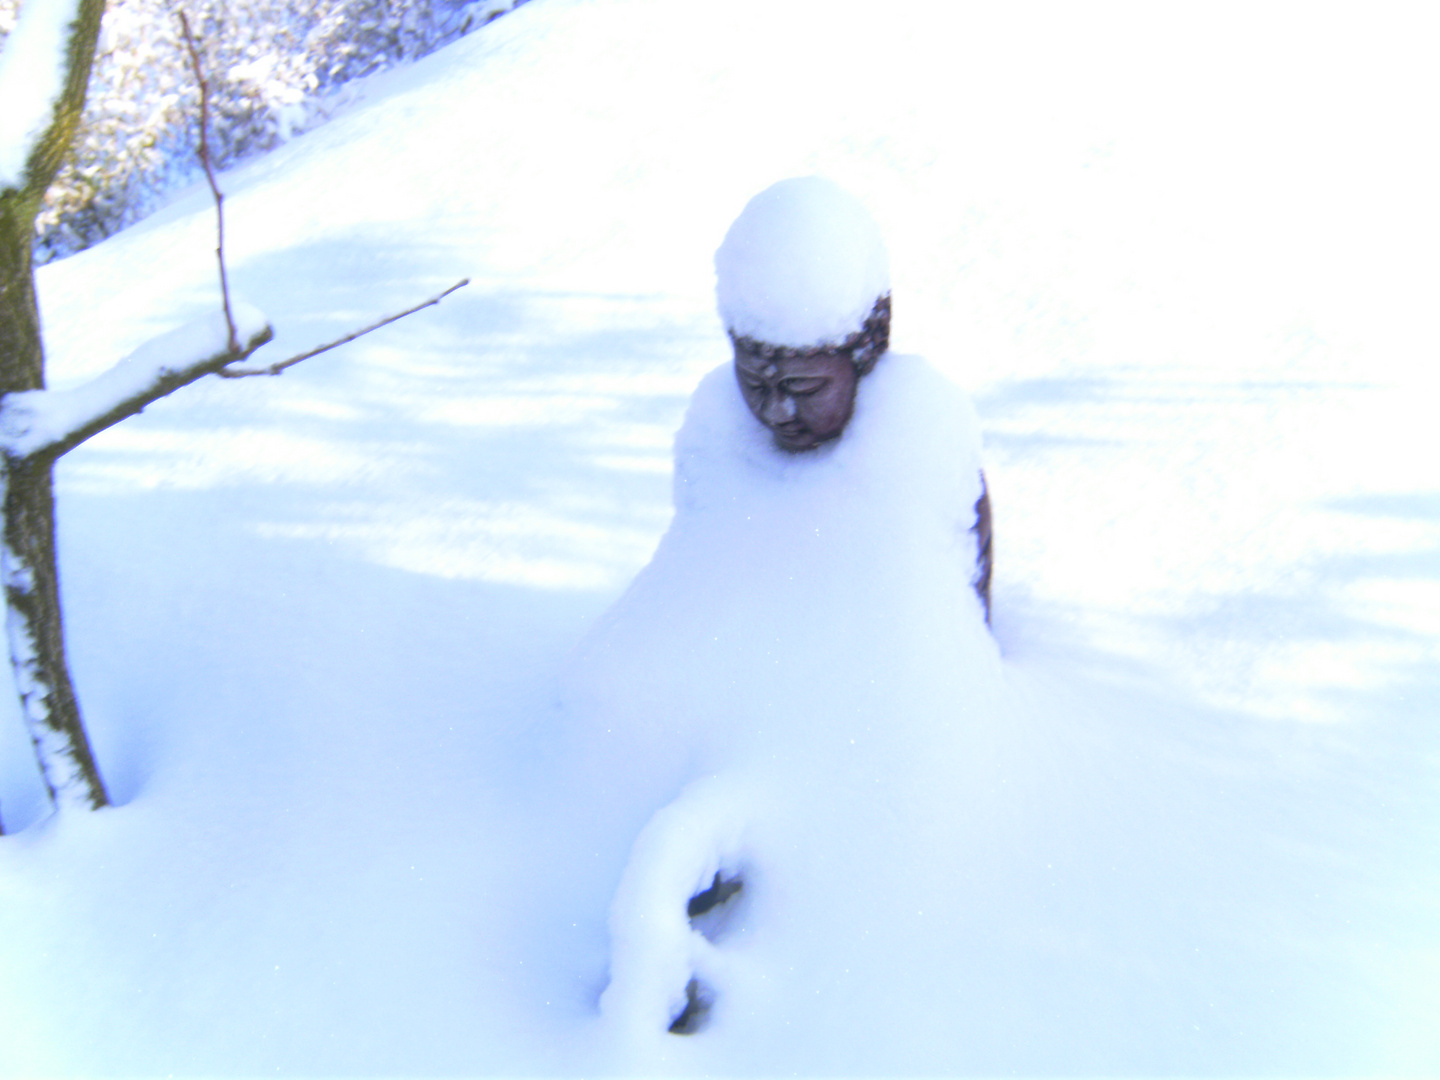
(804, 647)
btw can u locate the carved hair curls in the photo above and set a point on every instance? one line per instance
(864, 346)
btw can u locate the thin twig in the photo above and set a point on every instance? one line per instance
(276, 369)
(210, 176)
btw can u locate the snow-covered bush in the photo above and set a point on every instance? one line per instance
(271, 66)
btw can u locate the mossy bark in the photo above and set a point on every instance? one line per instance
(32, 592)
(22, 357)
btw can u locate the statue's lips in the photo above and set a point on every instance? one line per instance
(792, 433)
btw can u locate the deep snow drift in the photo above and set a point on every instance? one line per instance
(321, 624)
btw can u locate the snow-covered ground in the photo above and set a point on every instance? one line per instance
(1183, 260)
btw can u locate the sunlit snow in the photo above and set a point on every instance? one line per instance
(336, 633)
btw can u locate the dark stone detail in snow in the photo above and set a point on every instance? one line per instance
(698, 1000)
(709, 911)
(720, 890)
(864, 346)
(984, 549)
(717, 912)
(770, 377)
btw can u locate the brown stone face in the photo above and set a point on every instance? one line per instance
(803, 400)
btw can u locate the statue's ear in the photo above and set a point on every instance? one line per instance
(873, 338)
(865, 358)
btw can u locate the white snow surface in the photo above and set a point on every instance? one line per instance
(341, 636)
(802, 265)
(32, 77)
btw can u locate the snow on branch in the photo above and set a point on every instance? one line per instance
(51, 422)
(33, 68)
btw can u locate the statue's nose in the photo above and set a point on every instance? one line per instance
(778, 409)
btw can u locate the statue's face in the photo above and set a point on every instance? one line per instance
(805, 401)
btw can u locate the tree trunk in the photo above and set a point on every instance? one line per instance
(37, 638)
(27, 564)
(22, 358)
(27, 560)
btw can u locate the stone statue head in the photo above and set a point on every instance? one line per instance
(803, 284)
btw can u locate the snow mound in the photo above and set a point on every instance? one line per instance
(802, 265)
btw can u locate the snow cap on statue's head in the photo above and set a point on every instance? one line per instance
(802, 266)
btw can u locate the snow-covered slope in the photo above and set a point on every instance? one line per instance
(1182, 262)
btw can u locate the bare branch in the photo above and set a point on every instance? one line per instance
(210, 176)
(276, 369)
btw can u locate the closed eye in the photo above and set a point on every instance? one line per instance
(802, 386)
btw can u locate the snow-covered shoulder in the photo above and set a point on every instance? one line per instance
(914, 431)
(797, 597)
